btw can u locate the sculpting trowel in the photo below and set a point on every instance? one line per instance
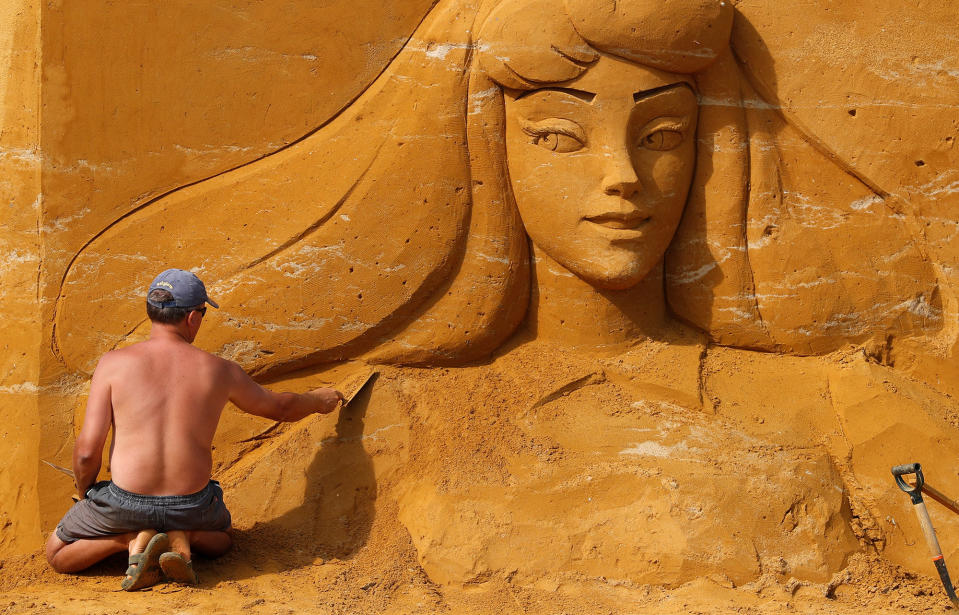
(351, 386)
(60, 469)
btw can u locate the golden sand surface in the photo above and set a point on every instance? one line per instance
(657, 293)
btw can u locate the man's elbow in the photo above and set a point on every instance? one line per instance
(85, 455)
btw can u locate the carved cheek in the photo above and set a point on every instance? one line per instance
(541, 182)
(548, 189)
(666, 176)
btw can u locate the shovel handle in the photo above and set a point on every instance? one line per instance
(936, 551)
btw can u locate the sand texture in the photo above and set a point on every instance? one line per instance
(656, 294)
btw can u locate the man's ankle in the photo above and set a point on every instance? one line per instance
(139, 540)
(180, 543)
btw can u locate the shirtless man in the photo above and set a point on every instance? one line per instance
(163, 398)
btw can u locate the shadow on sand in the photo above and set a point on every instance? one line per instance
(333, 520)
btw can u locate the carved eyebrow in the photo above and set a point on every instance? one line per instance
(580, 94)
(638, 96)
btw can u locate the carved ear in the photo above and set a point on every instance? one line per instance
(315, 251)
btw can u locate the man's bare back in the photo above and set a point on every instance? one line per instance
(167, 397)
(163, 398)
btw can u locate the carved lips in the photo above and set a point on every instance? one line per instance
(620, 221)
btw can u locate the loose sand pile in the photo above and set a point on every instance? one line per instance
(267, 573)
(673, 478)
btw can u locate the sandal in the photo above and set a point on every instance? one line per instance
(177, 569)
(144, 568)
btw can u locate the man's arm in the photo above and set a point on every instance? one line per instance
(250, 397)
(88, 450)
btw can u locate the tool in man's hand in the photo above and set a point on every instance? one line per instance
(915, 492)
(65, 471)
(352, 386)
(60, 469)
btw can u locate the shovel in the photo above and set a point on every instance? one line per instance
(915, 492)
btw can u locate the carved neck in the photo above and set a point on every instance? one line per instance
(567, 310)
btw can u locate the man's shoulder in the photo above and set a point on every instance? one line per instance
(125, 354)
(210, 360)
(148, 351)
(116, 356)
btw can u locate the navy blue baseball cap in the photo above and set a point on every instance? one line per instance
(186, 288)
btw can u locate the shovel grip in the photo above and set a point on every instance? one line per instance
(906, 468)
(914, 491)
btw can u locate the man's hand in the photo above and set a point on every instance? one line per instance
(327, 399)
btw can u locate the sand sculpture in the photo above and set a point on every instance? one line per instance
(670, 309)
(452, 252)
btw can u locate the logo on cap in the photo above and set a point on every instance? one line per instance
(188, 290)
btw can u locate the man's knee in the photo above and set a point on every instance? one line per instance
(53, 547)
(211, 543)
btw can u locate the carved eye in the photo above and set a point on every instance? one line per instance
(662, 140)
(556, 134)
(557, 142)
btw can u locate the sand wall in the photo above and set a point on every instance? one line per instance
(20, 237)
(647, 260)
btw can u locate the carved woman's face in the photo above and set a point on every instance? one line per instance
(601, 166)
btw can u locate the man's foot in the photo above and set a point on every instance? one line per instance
(176, 568)
(180, 543)
(144, 568)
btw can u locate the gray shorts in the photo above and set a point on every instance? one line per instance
(109, 510)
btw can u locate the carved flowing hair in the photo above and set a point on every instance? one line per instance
(390, 232)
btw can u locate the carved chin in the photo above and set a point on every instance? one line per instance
(614, 275)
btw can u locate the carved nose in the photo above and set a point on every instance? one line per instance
(621, 179)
